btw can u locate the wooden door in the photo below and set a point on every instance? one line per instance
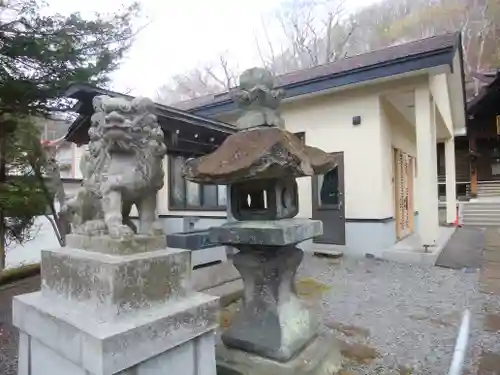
(403, 185)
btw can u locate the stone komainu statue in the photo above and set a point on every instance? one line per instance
(122, 167)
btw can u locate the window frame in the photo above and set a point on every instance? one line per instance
(185, 206)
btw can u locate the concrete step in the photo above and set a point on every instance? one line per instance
(481, 206)
(481, 224)
(486, 206)
(481, 216)
(481, 211)
(486, 183)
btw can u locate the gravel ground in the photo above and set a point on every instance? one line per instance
(409, 314)
(8, 333)
(405, 316)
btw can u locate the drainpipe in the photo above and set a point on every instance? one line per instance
(457, 361)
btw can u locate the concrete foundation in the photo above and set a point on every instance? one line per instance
(103, 314)
(410, 250)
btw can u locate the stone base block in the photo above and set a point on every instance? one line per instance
(268, 233)
(195, 357)
(115, 285)
(173, 339)
(191, 240)
(106, 244)
(321, 357)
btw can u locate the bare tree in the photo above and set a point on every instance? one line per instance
(313, 32)
(478, 20)
(306, 33)
(214, 77)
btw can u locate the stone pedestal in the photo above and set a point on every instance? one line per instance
(275, 331)
(320, 357)
(113, 306)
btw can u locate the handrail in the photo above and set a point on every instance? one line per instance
(457, 361)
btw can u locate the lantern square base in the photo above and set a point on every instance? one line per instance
(320, 357)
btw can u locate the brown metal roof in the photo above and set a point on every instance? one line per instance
(376, 57)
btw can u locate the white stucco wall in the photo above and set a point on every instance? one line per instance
(368, 160)
(368, 147)
(327, 122)
(439, 91)
(397, 132)
(78, 152)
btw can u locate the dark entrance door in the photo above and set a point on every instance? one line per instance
(328, 203)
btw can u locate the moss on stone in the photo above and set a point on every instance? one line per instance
(308, 287)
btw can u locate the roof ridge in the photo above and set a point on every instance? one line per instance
(376, 50)
(282, 78)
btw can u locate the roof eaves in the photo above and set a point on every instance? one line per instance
(73, 91)
(75, 125)
(429, 59)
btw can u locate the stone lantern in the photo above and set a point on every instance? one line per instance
(275, 332)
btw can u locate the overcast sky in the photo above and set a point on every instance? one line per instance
(184, 33)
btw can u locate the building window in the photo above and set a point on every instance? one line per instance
(187, 195)
(301, 136)
(495, 168)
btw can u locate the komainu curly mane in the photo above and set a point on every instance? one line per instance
(141, 137)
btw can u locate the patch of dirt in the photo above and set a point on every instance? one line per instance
(441, 322)
(445, 320)
(492, 323)
(310, 288)
(348, 329)
(419, 316)
(359, 353)
(403, 370)
(489, 308)
(227, 314)
(489, 364)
